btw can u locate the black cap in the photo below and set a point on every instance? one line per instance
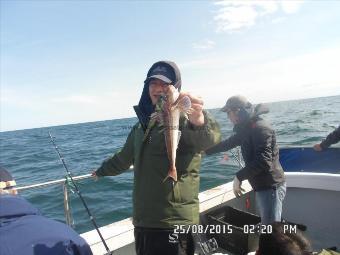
(236, 102)
(162, 71)
(6, 179)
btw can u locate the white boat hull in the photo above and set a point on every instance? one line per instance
(312, 199)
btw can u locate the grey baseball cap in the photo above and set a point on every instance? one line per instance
(236, 102)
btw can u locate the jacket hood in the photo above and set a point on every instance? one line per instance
(260, 109)
(250, 114)
(145, 108)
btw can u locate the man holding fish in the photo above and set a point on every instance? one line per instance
(164, 148)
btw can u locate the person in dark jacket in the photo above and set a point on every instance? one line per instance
(159, 204)
(332, 138)
(24, 231)
(260, 153)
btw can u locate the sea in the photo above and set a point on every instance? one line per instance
(31, 157)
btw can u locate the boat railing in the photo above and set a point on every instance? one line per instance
(65, 184)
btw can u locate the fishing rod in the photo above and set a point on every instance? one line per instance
(80, 195)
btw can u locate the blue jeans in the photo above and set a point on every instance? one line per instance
(269, 203)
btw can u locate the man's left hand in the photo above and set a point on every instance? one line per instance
(196, 117)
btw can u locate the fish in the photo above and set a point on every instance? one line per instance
(168, 112)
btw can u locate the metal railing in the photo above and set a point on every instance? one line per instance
(60, 181)
(64, 182)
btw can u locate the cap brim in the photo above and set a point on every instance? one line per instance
(224, 108)
(160, 77)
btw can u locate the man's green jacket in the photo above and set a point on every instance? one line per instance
(157, 203)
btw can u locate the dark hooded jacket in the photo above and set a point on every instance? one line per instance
(23, 231)
(332, 138)
(157, 203)
(259, 150)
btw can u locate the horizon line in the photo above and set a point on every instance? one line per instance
(88, 122)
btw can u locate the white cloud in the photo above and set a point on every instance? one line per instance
(236, 15)
(234, 18)
(204, 45)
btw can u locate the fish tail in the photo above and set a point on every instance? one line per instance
(172, 174)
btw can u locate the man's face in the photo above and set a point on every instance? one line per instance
(233, 116)
(156, 89)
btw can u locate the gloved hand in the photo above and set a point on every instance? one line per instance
(237, 187)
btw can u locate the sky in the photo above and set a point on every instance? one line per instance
(64, 62)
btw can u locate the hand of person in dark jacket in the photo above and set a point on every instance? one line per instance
(317, 147)
(332, 138)
(237, 187)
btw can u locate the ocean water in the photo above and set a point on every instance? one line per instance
(31, 158)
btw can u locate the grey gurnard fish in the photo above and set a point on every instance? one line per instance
(168, 110)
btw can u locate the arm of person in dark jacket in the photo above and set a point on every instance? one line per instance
(204, 136)
(332, 138)
(120, 161)
(225, 145)
(262, 141)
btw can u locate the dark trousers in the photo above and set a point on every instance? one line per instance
(151, 241)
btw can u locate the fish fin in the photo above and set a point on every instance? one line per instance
(156, 116)
(171, 174)
(183, 104)
(153, 115)
(147, 131)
